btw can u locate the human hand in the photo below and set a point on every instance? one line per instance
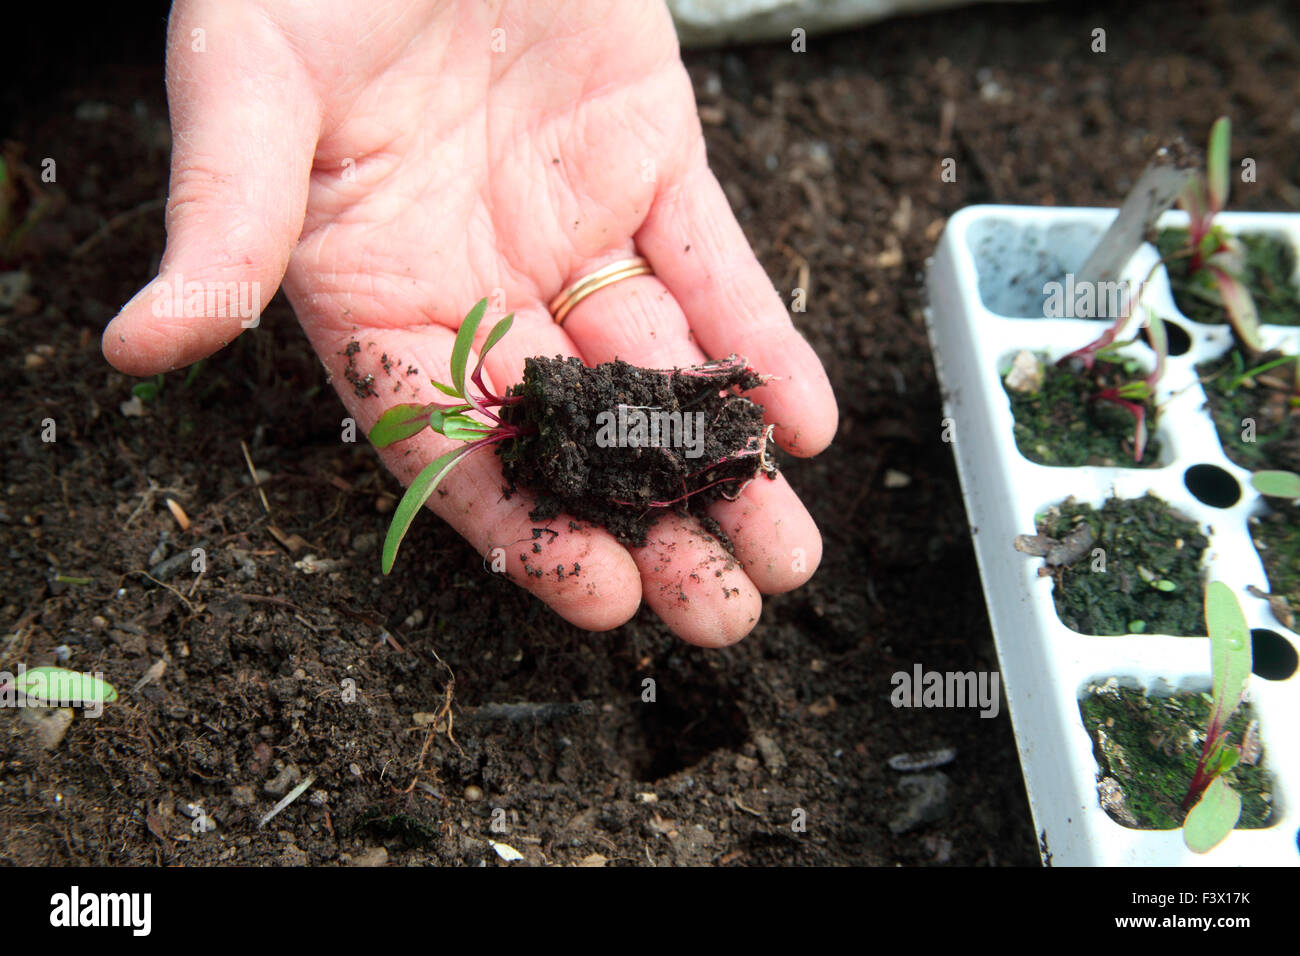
(393, 163)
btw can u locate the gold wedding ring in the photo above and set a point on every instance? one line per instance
(563, 303)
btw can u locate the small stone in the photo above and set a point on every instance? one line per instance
(923, 759)
(314, 565)
(366, 541)
(1026, 373)
(375, 856)
(771, 753)
(132, 407)
(285, 779)
(294, 856)
(746, 764)
(1113, 752)
(473, 793)
(1112, 800)
(896, 479)
(13, 286)
(243, 795)
(49, 725)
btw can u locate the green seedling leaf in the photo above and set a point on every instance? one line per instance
(464, 342)
(498, 330)
(1165, 585)
(1230, 652)
(416, 495)
(1277, 484)
(438, 417)
(1137, 627)
(464, 428)
(193, 374)
(58, 685)
(1227, 759)
(1216, 163)
(1241, 308)
(1213, 817)
(445, 389)
(145, 391)
(398, 423)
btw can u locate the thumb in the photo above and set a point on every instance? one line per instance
(245, 120)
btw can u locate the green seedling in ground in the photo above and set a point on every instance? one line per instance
(1217, 261)
(450, 419)
(147, 391)
(1245, 375)
(1214, 806)
(59, 686)
(1277, 484)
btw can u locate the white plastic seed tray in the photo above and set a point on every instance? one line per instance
(985, 304)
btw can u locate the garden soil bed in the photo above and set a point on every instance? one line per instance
(832, 160)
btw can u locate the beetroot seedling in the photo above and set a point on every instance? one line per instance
(1217, 260)
(613, 444)
(1132, 396)
(1214, 806)
(407, 420)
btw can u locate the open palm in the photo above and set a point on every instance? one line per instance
(394, 163)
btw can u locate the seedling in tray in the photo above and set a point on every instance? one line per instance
(1214, 806)
(587, 441)
(1133, 396)
(1217, 261)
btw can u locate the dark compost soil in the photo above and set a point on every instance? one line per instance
(1139, 570)
(1265, 401)
(832, 160)
(617, 444)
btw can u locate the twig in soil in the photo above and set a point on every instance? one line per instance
(289, 798)
(541, 712)
(253, 473)
(163, 584)
(444, 711)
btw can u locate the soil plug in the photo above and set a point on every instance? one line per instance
(611, 444)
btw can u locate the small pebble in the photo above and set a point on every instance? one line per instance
(923, 760)
(473, 793)
(896, 479)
